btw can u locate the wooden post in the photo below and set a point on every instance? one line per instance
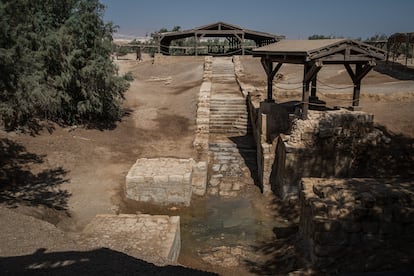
(242, 44)
(313, 87)
(269, 81)
(270, 72)
(357, 85)
(305, 93)
(195, 44)
(407, 43)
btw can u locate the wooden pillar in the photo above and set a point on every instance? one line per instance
(269, 81)
(361, 70)
(195, 44)
(270, 72)
(407, 45)
(310, 73)
(305, 93)
(357, 85)
(313, 87)
(242, 44)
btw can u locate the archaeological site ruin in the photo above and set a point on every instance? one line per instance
(305, 150)
(261, 155)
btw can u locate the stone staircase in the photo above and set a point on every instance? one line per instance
(228, 110)
(232, 153)
(231, 165)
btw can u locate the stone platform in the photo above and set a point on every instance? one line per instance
(155, 239)
(161, 181)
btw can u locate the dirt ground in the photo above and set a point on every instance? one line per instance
(69, 174)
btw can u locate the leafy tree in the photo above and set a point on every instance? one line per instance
(316, 36)
(55, 63)
(377, 37)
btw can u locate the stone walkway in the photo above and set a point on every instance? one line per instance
(232, 155)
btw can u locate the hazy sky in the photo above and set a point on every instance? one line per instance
(297, 19)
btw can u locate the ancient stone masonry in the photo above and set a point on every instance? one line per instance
(229, 170)
(155, 239)
(325, 145)
(338, 215)
(203, 112)
(231, 154)
(160, 180)
(166, 180)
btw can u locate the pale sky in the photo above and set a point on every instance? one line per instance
(297, 19)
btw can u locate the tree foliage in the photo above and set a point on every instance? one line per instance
(55, 63)
(317, 36)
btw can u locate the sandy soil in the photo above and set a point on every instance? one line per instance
(70, 174)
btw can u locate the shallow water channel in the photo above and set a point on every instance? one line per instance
(214, 221)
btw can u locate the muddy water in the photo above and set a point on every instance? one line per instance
(212, 222)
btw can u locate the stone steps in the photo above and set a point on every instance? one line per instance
(230, 166)
(230, 163)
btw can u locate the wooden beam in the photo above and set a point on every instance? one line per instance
(312, 70)
(350, 72)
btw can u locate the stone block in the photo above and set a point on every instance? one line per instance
(199, 178)
(161, 180)
(155, 239)
(152, 180)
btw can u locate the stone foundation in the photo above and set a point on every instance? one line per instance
(325, 145)
(338, 215)
(161, 181)
(155, 239)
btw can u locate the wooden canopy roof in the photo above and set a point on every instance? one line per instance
(220, 29)
(313, 54)
(325, 50)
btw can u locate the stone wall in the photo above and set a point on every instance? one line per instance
(203, 120)
(325, 145)
(160, 180)
(339, 215)
(203, 112)
(155, 239)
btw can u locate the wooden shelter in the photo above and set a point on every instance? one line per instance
(357, 57)
(236, 36)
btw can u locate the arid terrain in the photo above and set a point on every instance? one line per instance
(66, 175)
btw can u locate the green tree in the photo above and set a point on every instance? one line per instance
(55, 63)
(316, 36)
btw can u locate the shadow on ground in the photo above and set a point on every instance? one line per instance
(391, 163)
(395, 70)
(19, 185)
(98, 262)
(247, 149)
(392, 158)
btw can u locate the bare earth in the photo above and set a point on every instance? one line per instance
(70, 174)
